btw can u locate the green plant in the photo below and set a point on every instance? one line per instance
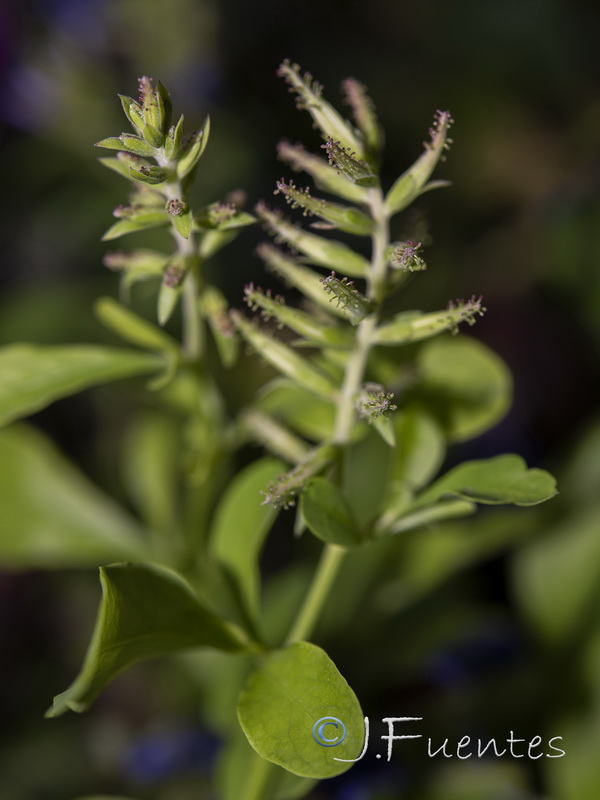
(356, 426)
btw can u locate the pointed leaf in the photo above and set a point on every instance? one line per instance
(149, 219)
(503, 479)
(413, 182)
(194, 151)
(321, 251)
(33, 376)
(240, 525)
(52, 516)
(296, 689)
(146, 611)
(284, 359)
(328, 515)
(133, 328)
(183, 223)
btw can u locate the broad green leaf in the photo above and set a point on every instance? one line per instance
(464, 385)
(420, 448)
(365, 470)
(288, 697)
(146, 611)
(52, 516)
(33, 376)
(557, 578)
(239, 763)
(327, 514)
(240, 525)
(495, 481)
(103, 797)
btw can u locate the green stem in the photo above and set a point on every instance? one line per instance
(192, 328)
(333, 556)
(327, 569)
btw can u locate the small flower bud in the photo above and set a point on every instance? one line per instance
(176, 207)
(373, 401)
(406, 257)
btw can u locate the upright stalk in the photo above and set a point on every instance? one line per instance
(332, 556)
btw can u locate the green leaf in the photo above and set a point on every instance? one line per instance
(52, 516)
(327, 514)
(223, 217)
(284, 359)
(413, 182)
(123, 162)
(194, 150)
(146, 611)
(151, 468)
(148, 175)
(365, 470)
(143, 221)
(236, 766)
(315, 332)
(324, 252)
(33, 376)
(133, 328)
(183, 223)
(326, 177)
(212, 304)
(294, 690)
(168, 297)
(421, 448)
(557, 577)
(494, 481)
(240, 525)
(307, 414)
(306, 280)
(464, 385)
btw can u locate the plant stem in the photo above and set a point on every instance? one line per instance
(331, 558)
(192, 328)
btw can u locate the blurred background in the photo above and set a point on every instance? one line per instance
(499, 628)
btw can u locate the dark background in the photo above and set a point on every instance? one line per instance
(520, 225)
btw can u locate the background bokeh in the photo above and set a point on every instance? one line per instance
(507, 637)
